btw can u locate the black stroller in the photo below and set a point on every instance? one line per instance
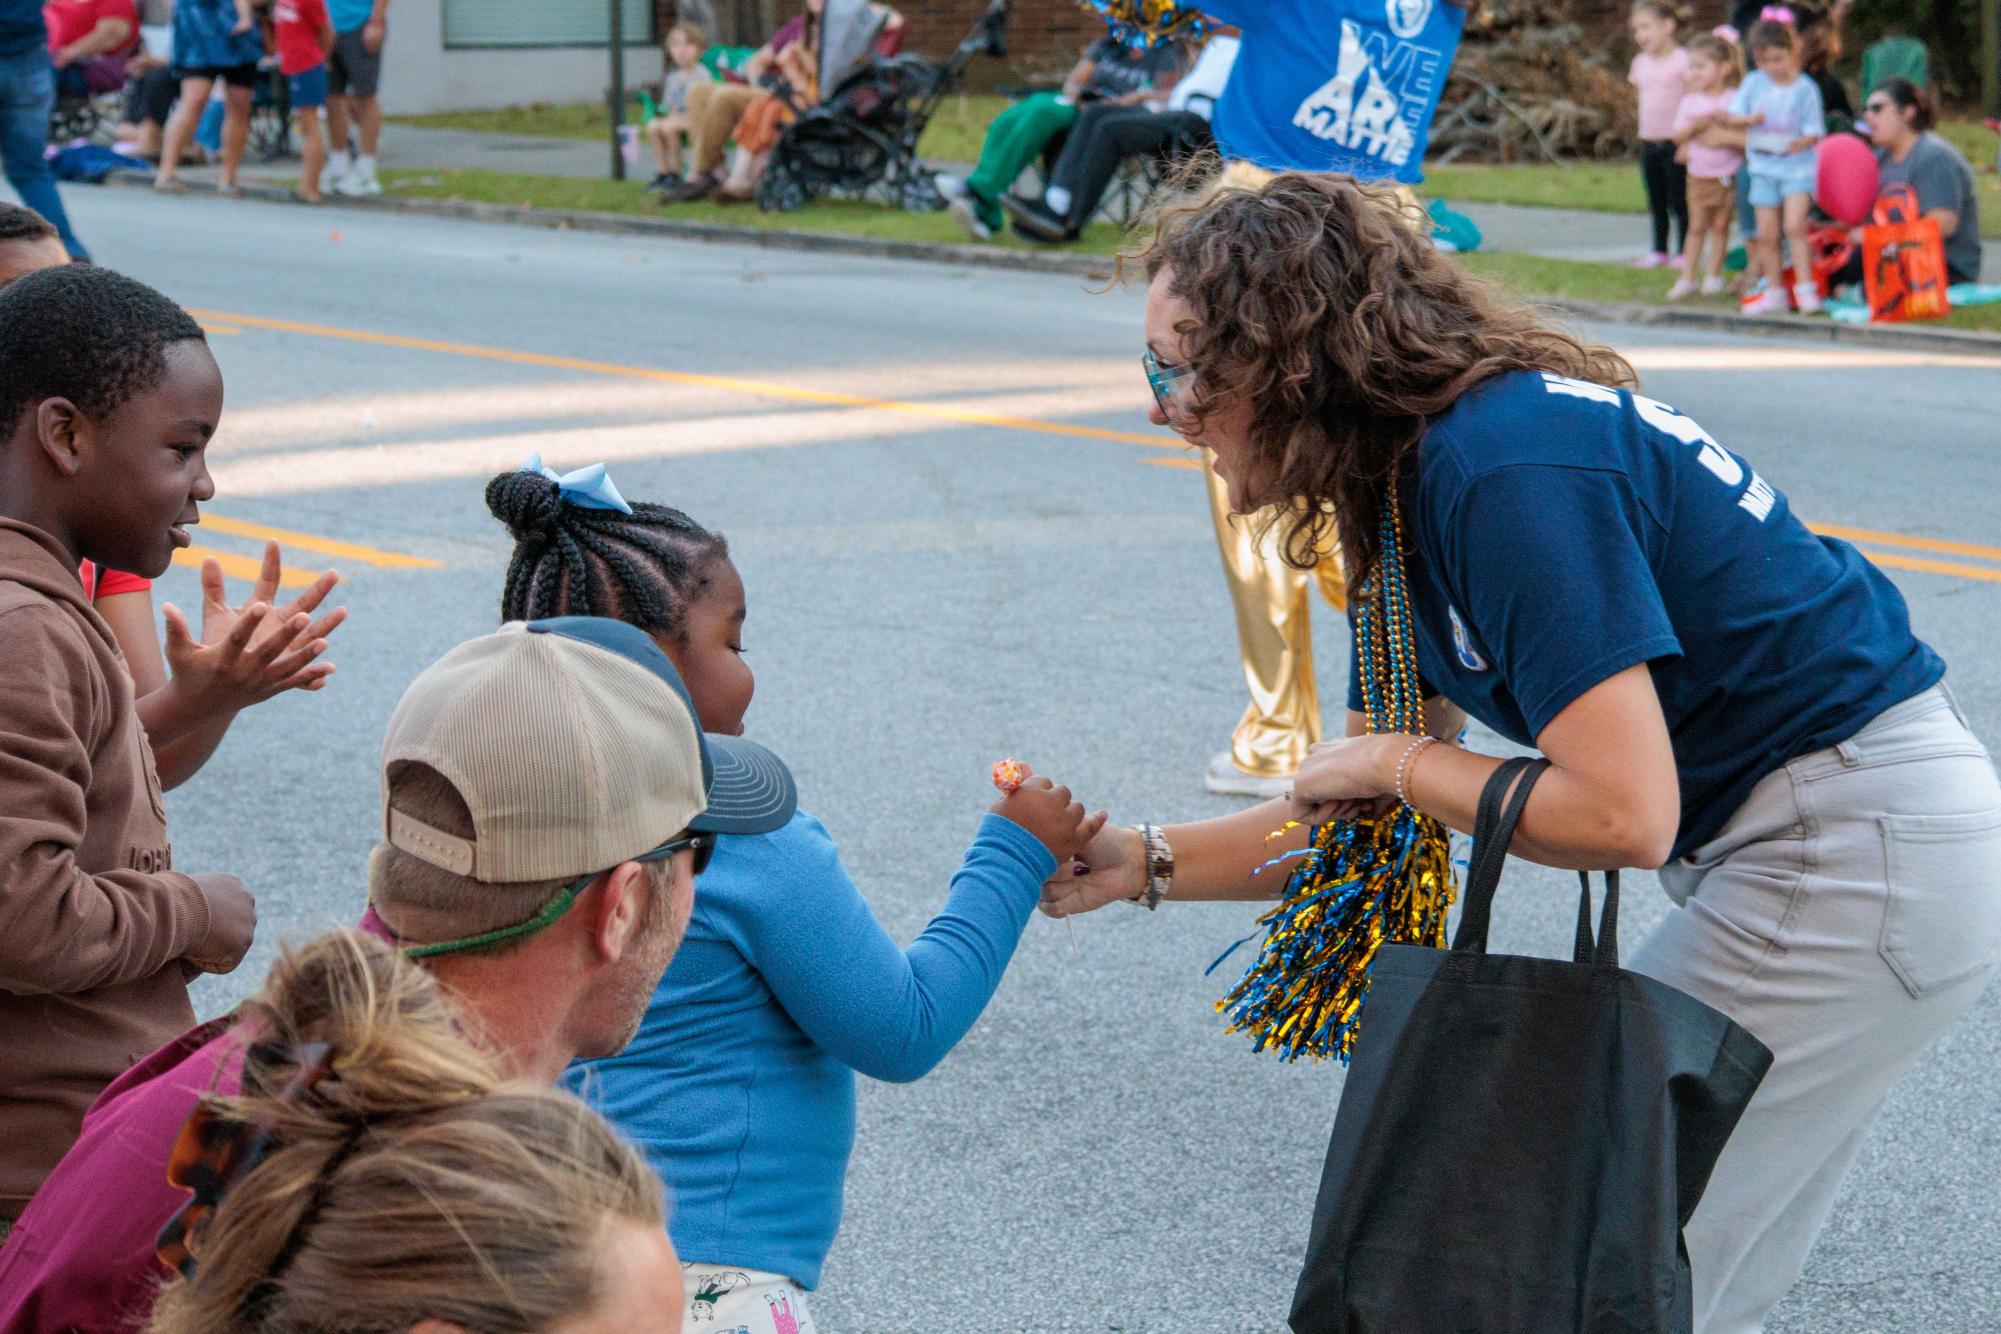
(864, 136)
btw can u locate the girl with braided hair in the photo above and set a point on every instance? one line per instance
(740, 1084)
(377, 1174)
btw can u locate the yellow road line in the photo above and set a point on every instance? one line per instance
(326, 546)
(1982, 572)
(223, 329)
(761, 388)
(242, 567)
(940, 412)
(1899, 540)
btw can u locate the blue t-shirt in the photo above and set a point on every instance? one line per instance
(1564, 532)
(1335, 85)
(21, 28)
(740, 1084)
(347, 15)
(204, 36)
(1790, 111)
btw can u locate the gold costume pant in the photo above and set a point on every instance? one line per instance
(1274, 605)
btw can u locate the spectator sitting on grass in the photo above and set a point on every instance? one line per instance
(1108, 133)
(88, 43)
(151, 86)
(668, 131)
(1109, 71)
(1912, 153)
(714, 109)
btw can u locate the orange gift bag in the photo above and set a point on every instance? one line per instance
(1903, 261)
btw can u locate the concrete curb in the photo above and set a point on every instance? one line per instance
(1099, 267)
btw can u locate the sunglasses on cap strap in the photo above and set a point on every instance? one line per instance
(1166, 381)
(703, 845)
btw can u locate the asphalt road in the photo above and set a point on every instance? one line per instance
(931, 590)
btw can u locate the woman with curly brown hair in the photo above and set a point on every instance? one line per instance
(1722, 693)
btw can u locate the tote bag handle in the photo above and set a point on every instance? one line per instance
(1500, 810)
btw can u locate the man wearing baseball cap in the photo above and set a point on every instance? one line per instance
(548, 798)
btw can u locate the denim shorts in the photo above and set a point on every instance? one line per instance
(308, 88)
(1771, 191)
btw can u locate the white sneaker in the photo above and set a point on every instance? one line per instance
(1772, 301)
(1807, 296)
(1682, 289)
(951, 187)
(349, 184)
(365, 184)
(1712, 285)
(967, 216)
(1225, 779)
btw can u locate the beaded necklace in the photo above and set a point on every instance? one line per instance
(1361, 882)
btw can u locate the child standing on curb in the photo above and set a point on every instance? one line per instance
(305, 38)
(1714, 70)
(1780, 107)
(668, 131)
(1660, 72)
(740, 1084)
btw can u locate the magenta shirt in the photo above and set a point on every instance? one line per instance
(1661, 81)
(81, 1255)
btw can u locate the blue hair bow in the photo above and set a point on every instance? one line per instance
(590, 488)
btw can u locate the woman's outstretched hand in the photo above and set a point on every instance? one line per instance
(1111, 866)
(1343, 779)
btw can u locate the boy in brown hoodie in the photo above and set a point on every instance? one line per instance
(108, 396)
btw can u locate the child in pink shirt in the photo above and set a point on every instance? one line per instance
(1713, 153)
(1658, 72)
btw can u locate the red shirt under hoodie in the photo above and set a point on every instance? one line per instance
(93, 920)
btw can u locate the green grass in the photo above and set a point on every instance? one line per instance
(1526, 275)
(605, 196)
(954, 134)
(1580, 280)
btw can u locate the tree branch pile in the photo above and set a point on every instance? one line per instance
(1529, 86)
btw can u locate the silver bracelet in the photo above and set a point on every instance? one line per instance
(1407, 763)
(1159, 867)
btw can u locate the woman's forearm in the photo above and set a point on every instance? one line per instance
(1221, 858)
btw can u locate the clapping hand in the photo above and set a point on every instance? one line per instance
(248, 654)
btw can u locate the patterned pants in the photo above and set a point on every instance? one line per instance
(724, 1299)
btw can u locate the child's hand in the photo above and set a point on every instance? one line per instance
(1801, 144)
(1047, 812)
(248, 654)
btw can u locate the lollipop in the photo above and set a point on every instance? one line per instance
(1145, 23)
(1009, 775)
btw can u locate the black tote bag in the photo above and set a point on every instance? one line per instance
(1520, 1140)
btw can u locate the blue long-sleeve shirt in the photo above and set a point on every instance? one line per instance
(740, 1084)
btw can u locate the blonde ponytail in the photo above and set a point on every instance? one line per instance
(408, 1182)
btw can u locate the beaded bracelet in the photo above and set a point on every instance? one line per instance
(1405, 765)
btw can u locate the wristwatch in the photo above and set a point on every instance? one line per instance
(1159, 867)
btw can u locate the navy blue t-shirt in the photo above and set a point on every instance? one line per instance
(1563, 532)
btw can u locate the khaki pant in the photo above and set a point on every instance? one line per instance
(713, 111)
(1846, 915)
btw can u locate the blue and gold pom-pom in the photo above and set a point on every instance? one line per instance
(1145, 23)
(1361, 882)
